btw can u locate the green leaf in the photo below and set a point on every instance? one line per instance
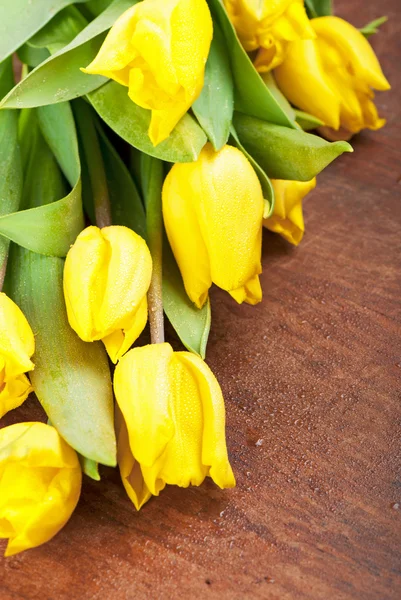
(252, 96)
(21, 19)
(89, 467)
(307, 121)
(10, 158)
(93, 8)
(270, 82)
(126, 205)
(318, 8)
(266, 185)
(51, 229)
(31, 56)
(71, 378)
(285, 153)
(191, 324)
(214, 107)
(60, 31)
(59, 78)
(131, 122)
(373, 27)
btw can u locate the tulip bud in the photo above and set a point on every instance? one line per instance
(213, 210)
(287, 218)
(159, 48)
(17, 344)
(106, 277)
(269, 26)
(332, 76)
(174, 422)
(40, 483)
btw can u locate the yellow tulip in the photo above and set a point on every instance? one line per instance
(269, 25)
(106, 277)
(40, 484)
(17, 343)
(287, 218)
(158, 49)
(332, 77)
(173, 429)
(213, 211)
(13, 392)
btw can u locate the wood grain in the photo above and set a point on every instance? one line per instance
(312, 384)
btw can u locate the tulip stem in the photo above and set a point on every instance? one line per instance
(3, 268)
(86, 124)
(152, 180)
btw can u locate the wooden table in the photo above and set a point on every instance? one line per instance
(312, 380)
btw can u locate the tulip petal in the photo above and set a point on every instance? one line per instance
(40, 483)
(141, 384)
(130, 470)
(17, 343)
(13, 393)
(250, 292)
(184, 234)
(287, 218)
(121, 340)
(354, 48)
(117, 50)
(302, 80)
(214, 450)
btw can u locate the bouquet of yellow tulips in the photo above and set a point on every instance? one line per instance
(143, 147)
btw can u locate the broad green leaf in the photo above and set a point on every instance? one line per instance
(89, 467)
(59, 78)
(373, 27)
(60, 31)
(71, 378)
(191, 324)
(266, 185)
(214, 107)
(252, 96)
(126, 205)
(31, 56)
(285, 153)
(131, 122)
(270, 82)
(58, 128)
(307, 121)
(21, 19)
(51, 229)
(93, 8)
(318, 8)
(10, 158)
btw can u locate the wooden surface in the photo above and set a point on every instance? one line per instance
(312, 380)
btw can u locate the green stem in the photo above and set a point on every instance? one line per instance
(93, 156)
(3, 270)
(152, 180)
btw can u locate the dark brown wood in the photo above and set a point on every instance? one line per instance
(312, 380)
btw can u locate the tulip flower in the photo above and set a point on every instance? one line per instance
(174, 422)
(213, 212)
(40, 483)
(333, 76)
(287, 218)
(17, 344)
(106, 277)
(159, 49)
(269, 26)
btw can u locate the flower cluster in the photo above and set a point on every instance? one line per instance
(192, 137)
